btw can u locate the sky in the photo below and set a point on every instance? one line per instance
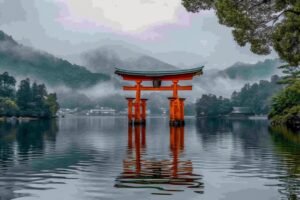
(162, 28)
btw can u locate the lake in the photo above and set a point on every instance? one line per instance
(104, 158)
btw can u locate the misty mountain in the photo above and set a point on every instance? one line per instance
(257, 71)
(181, 59)
(106, 58)
(233, 78)
(22, 61)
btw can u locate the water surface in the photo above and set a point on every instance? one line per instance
(102, 158)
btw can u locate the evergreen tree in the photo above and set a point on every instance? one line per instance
(213, 106)
(7, 85)
(24, 97)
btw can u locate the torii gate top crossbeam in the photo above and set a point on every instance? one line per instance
(184, 74)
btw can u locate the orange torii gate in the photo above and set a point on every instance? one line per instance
(157, 77)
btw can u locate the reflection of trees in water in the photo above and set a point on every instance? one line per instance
(247, 136)
(213, 126)
(254, 154)
(29, 138)
(210, 130)
(6, 144)
(158, 174)
(287, 146)
(19, 142)
(245, 130)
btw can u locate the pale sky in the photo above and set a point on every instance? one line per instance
(66, 27)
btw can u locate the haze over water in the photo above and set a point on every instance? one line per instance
(101, 158)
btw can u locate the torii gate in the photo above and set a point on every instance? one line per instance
(139, 104)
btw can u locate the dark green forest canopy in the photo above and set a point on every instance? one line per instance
(264, 24)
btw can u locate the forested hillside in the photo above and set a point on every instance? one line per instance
(23, 61)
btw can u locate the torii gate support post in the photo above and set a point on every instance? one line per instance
(176, 107)
(137, 104)
(144, 111)
(130, 107)
(172, 110)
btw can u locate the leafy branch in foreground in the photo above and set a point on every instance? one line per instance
(264, 24)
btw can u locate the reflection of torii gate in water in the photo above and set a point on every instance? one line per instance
(168, 175)
(139, 104)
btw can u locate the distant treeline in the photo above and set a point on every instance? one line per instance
(257, 97)
(29, 100)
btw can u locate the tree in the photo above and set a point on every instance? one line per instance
(286, 107)
(8, 107)
(225, 106)
(257, 96)
(52, 105)
(261, 23)
(213, 106)
(7, 85)
(24, 95)
(292, 74)
(29, 101)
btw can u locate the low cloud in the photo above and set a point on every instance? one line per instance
(131, 16)
(6, 14)
(100, 90)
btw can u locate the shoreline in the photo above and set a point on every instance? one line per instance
(20, 118)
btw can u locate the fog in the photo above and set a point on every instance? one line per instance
(63, 28)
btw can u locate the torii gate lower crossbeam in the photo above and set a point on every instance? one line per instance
(137, 106)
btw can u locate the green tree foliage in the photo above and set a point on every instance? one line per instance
(7, 85)
(292, 74)
(24, 96)
(8, 107)
(257, 96)
(29, 100)
(261, 23)
(286, 106)
(51, 103)
(212, 106)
